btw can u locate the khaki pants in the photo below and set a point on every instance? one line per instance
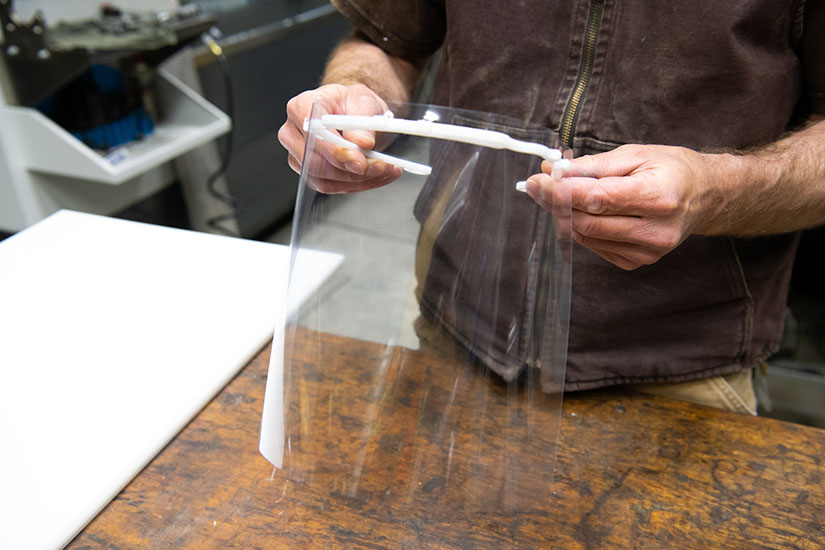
(733, 392)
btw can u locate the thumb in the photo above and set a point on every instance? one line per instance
(364, 102)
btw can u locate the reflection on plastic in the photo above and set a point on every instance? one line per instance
(426, 376)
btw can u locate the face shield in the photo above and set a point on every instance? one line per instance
(426, 374)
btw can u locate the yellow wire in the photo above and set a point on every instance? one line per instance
(215, 48)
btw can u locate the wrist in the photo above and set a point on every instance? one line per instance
(720, 188)
(359, 62)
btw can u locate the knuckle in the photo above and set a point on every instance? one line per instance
(287, 139)
(633, 150)
(639, 258)
(597, 200)
(590, 226)
(585, 160)
(299, 106)
(668, 206)
(657, 236)
(594, 203)
(620, 260)
(627, 147)
(649, 257)
(293, 107)
(666, 239)
(283, 134)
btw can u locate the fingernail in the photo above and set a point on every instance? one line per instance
(532, 187)
(355, 168)
(559, 168)
(374, 170)
(364, 138)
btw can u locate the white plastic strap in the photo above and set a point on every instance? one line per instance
(427, 128)
(438, 130)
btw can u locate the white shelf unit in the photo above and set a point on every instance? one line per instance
(43, 168)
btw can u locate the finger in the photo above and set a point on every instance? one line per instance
(351, 160)
(292, 139)
(550, 193)
(627, 241)
(614, 183)
(362, 138)
(332, 99)
(377, 168)
(624, 255)
(607, 228)
(599, 196)
(617, 260)
(553, 197)
(640, 231)
(563, 238)
(364, 104)
(324, 152)
(617, 162)
(632, 195)
(318, 102)
(319, 167)
(328, 100)
(330, 187)
(300, 107)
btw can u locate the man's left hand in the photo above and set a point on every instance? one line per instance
(632, 205)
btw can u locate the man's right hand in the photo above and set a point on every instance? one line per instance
(334, 169)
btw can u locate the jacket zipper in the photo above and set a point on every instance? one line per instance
(571, 112)
(566, 131)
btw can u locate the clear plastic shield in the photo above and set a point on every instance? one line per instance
(426, 375)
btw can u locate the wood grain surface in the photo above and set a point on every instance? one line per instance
(632, 471)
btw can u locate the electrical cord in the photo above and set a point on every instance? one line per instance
(217, 222)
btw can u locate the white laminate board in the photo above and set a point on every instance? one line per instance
(113, 335)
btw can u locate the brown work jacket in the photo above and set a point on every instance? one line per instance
(705, 75)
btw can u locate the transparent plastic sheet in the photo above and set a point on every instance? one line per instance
(424, 380)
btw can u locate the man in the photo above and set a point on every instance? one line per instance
(686, 242)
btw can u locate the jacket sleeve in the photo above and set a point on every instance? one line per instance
(404, 28)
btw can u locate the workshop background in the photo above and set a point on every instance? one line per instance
(112, 111)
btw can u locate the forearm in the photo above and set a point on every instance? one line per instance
(775, 189)
(358, 61)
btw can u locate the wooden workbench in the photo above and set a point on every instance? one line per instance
(632, 471)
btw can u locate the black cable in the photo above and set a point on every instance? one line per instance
(216, 222)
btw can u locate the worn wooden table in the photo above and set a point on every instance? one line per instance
(632, 472)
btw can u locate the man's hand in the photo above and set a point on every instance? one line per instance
(334, 169)
(632, 205)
